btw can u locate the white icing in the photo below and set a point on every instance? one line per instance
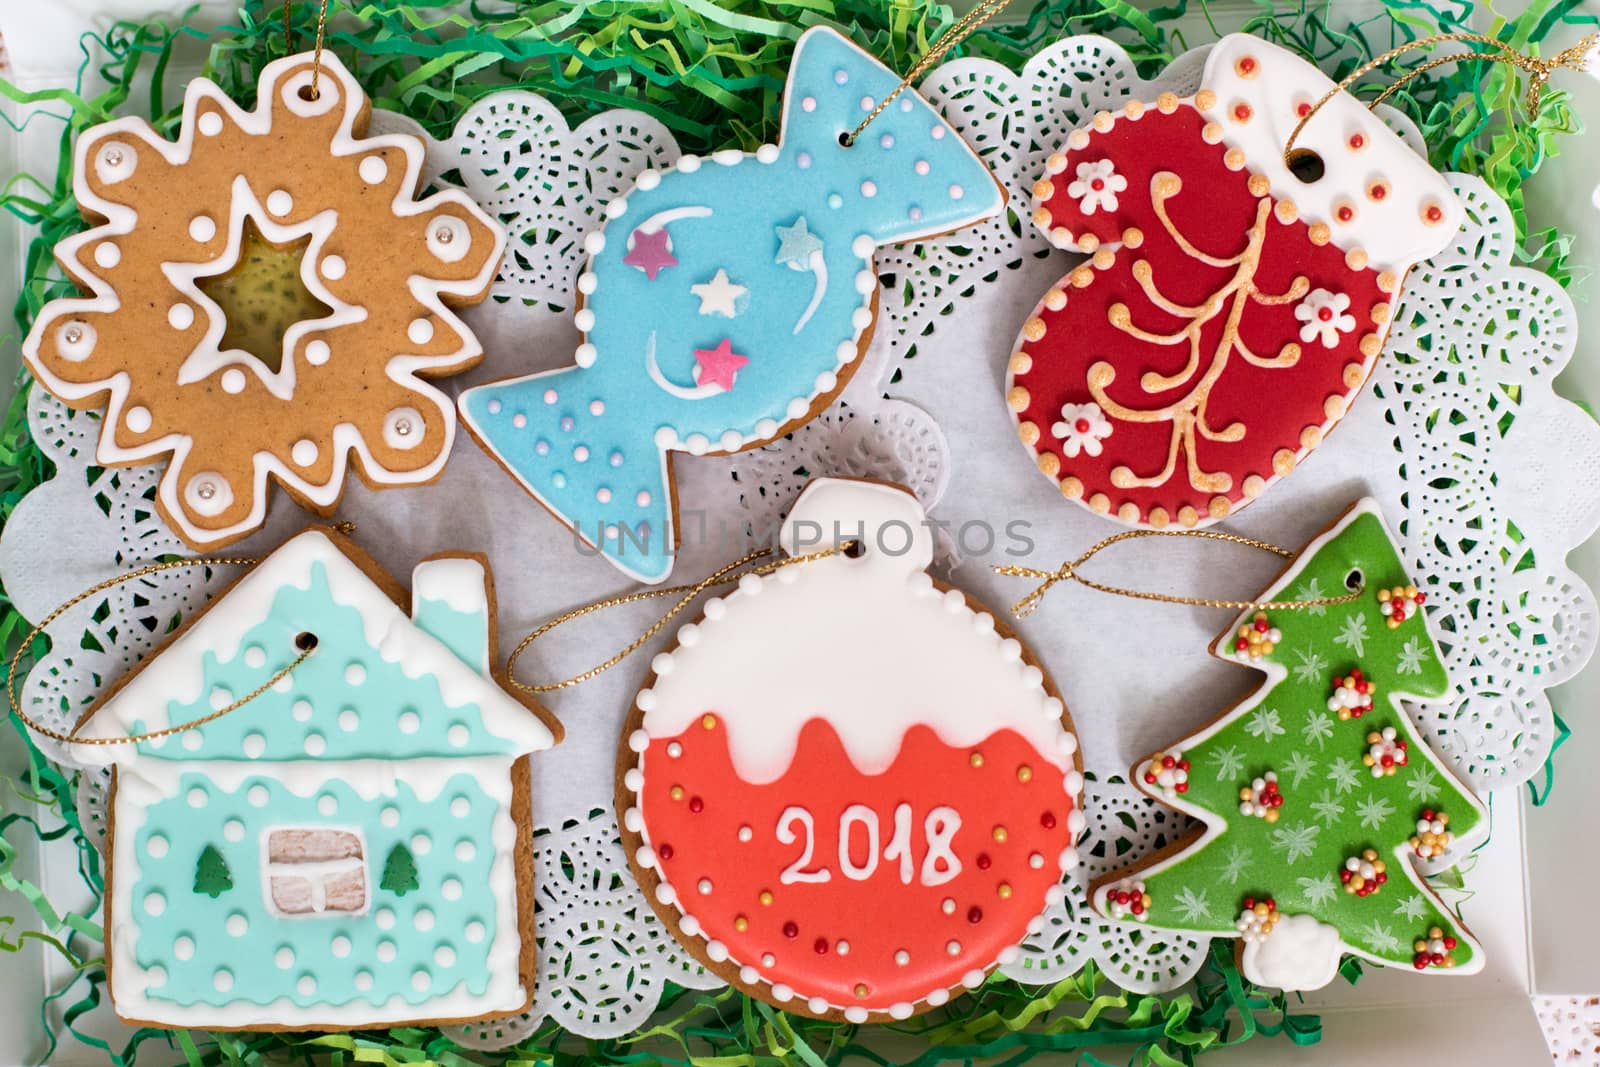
(403, 428)
(208, 494)
(1300, 953)
(459, 581)
(204, 105)
(176, 674)
(449, 239)
(1392, 231)
(138, 787)
(760, 665)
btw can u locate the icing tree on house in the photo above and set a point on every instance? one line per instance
(727, 300)
(347, 848)
(1315, 792)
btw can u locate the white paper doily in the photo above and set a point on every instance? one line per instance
(1489, 477)
(1572, 1028)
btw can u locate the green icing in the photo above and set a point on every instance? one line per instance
(1333, 805)
(211, 875)
(399, 871)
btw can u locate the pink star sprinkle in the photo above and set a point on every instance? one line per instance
(719, 365)
(650, 253)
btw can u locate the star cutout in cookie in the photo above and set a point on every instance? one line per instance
(650, 253)
(719, 295)
(718, 366)
(797, 244)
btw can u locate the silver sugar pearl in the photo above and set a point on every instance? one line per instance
(114, 157)
(402, 427)
(444, 235)
(206, 491)
(73, 334)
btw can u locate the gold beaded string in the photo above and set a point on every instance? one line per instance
(724, 575)
(306, 643)
(1068, 572)
(1537, 69)
(316, 55)
(966, 27)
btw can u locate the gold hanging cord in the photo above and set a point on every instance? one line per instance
(727, 574)
(1068, 572)
(316, 56)
(966, 27)
(306, 643)
(1537, 69)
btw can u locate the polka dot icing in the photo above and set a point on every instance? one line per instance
(400, 844)
(1103, 342)
(227, 176)
(819, 857)
(753, 296)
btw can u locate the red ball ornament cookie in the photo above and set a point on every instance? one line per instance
(1231, 305)
(847, 789)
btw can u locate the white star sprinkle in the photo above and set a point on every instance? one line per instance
(719, 296)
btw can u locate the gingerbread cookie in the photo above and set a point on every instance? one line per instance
(351, 847)
(1232, 305)
(266, 296)
(726, 301)
(847, 789)
(1316, 792)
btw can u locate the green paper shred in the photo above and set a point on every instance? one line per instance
(712, 71)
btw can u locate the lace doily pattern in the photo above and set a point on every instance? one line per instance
(1486, 517)
(1467, 400)
(1572, 1028)
(514, 153)
(603, 959)
(1123, 823)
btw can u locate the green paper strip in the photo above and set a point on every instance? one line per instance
(712, 71)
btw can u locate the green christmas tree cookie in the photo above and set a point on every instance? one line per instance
(1316, 792)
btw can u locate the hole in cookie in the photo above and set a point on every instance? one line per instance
(308, 94)
(1355, 580)
(854, 549)
(1306, 165)
(262, 296)
(846, 141)
(305, 641)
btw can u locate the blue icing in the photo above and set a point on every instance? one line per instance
(466, 633)
(344, 702)
(774, 237)
(442, 930)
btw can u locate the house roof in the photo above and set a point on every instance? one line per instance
(378, 684)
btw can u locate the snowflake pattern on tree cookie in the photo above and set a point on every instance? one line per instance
(847, 789)
(1361, 795)
(339, 286)
(727, 300)
(1217, 276)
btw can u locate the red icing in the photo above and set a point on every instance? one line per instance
(1214, 211)
(877, 916)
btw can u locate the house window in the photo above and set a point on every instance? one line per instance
(315, 872)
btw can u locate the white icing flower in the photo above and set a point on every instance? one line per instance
(1325, 317)
(1082, 428)
(1096, 188)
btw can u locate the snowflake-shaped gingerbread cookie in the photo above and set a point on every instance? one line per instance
(341, 372)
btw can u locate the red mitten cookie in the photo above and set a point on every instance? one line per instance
(847, 789)
(1232, 305)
